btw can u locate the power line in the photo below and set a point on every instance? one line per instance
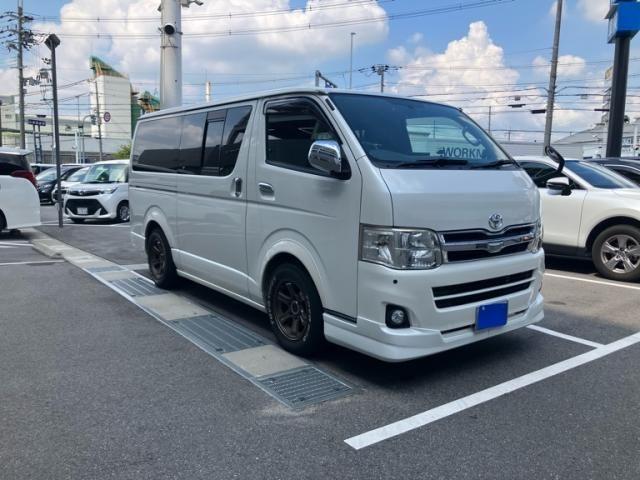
(310, 26)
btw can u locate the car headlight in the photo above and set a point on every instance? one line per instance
(46, 187)
(108, 190)
(536, 243)
(404, 249)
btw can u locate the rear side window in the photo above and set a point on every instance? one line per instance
(292, 127)
(191, 142)
(224, 135)
(156, 147)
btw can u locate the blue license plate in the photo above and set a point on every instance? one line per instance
(491, 316)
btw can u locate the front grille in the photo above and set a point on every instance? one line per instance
(92, 206)
(84, 193)
(471, 292)
(466, 245)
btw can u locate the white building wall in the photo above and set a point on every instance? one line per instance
(115, 97)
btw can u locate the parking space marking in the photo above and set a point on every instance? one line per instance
(420, 420)
(564, 336)
(31, 263)
(588, 280)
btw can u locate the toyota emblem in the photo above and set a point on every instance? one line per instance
(496, 221)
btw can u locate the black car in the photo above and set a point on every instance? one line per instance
(46, 180)
(627, 167)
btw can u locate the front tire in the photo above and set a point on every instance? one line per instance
(161, 266)
(123, 214)
(295, 310)
(616, 253)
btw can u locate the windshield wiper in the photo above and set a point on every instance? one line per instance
(497, 163)
(431, 162)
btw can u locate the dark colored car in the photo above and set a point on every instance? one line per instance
(38, 168)
(46, 180)
(627, 167)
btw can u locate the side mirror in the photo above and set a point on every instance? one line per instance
(325, 156)
(559, 186)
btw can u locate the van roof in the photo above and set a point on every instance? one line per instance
(275, 93)
(107, 162)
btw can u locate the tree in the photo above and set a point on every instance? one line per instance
(123, 152)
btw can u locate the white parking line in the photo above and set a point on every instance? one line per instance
(565, 336)
(588, 280)
(420, 420)
(31, 263)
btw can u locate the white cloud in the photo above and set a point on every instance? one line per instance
(568, 66)
(277, 53)
(554, 9)
(594, 10)
(417, 37)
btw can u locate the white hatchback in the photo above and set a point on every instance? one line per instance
(19, 202)
(104, 194)
(589, 211)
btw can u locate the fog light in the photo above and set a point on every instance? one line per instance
(397, 317)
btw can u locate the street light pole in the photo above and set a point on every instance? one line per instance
(52, 42)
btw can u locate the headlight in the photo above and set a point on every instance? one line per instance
(108, 190)
(536, 243)
(46, 187)
(400, 248)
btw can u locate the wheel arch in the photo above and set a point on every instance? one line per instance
(155, 218)
(609, 222)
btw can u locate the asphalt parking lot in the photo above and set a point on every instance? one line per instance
(96, 386)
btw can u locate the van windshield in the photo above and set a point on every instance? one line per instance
(404, 133)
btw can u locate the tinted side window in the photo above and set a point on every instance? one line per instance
(291, 129)
(157, 144)
(628, 172)
(234, 128)
(11, 163)
(212, 143)
(191, 142)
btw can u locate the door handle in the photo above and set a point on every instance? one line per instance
(237, 186)
(266, 188)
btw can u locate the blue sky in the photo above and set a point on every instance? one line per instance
(523, 29)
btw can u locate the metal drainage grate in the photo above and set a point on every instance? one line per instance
(137, 287)
(304, 386)
(113, 268)
(217, 335)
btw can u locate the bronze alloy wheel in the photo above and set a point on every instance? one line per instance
(157, 257)
(291, 310)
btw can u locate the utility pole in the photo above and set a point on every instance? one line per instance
(551, 94)
(98, 120)
(0, 123)
(21, 73)
(380, 70)
(171, 54)
(353, 34)
(327, 83)
(490, 119)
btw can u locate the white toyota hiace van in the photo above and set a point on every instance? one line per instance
(392, 226)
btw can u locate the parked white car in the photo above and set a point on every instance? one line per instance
(104, 194)
(589, 211)
(19, 202)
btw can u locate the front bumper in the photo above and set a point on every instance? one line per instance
(45, 196)
(437, 328)
(98, 207)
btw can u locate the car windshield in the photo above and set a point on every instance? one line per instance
(404, 133)
(78, 175)
(46, 175)
(107, 173)
(598, 176)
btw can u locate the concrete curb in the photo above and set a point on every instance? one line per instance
(46, 250)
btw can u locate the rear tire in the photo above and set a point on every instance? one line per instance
(161, 266)
(616, 253)
(295, 310)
